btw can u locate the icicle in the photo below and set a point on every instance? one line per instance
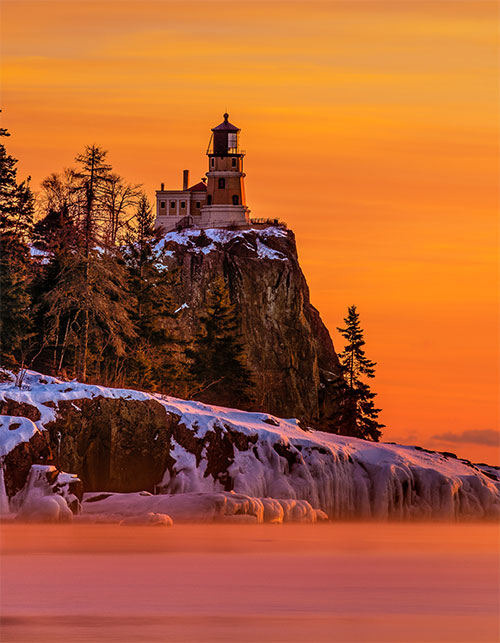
(59, 438)
(4, 499)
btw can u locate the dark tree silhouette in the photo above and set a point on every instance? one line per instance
(356, 413)
(16, 222)
(148, 362)
(218, 366)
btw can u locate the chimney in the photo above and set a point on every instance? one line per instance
(163, 187)
(185, 179)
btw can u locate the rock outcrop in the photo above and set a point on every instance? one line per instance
(288, 347)
(120, 440)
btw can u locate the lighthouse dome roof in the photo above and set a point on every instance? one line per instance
(226, 126)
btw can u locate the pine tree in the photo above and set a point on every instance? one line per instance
(93, 175)
(357, 415)
(149, 361)
(16, 221)
(218, 367)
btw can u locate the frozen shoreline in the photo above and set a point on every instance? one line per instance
(239, 463)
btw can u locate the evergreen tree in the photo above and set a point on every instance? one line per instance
(93, 175)
(16, 221)
(356, 415)
(148, 363)
(218, 366)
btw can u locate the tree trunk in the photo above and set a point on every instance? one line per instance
(84, 341)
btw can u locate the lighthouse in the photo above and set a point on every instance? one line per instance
(218, 201)
(225, 202)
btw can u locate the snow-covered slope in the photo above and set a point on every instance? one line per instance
(214, 449)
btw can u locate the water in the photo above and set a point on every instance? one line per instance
(343, 582)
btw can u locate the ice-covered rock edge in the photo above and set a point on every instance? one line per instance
(343, 476)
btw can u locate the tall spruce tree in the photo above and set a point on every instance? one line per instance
(357, 415)
(16, 221)
(218, 365)
(93, 174)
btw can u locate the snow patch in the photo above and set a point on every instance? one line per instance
(13, 431)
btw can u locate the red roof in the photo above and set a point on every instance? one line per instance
(199, 187)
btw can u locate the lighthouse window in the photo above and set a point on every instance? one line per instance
(233, 161)
(222, 184)
(209, 199)
(231, 140)
(236, 199)
(183, 204)
(162, 204)
(212, 162)
(172, 204)
(198, 204)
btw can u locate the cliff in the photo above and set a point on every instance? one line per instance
(289, 349)
(120, 440)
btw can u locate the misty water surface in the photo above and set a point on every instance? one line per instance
(328, 582)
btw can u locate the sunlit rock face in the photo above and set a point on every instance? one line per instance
(124, 441)
(288, 347)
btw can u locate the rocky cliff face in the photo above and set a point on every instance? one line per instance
(288, 347)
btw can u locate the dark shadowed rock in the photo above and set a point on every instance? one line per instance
(19, 409)
(289, 349)
(17, 463)
(112, 444)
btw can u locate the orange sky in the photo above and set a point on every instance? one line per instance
(370, 127)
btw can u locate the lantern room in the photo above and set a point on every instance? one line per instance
(224, 140)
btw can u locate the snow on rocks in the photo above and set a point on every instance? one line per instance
(276, 469)
(13, 431)
(208, 240)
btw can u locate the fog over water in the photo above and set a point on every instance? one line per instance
(364, 582)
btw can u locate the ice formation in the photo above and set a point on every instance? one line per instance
(198, 507)
(274, 459)
(37, 502)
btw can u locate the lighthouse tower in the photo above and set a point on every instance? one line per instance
(225, 203)
(218, 202)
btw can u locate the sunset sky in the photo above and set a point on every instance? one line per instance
(370, 127)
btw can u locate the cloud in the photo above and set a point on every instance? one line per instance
(487, 437)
